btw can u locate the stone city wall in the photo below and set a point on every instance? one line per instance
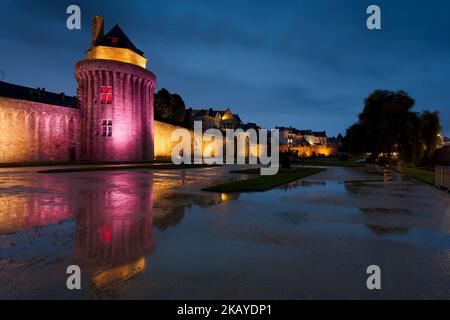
(34, 132)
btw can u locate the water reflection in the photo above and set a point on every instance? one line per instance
(131, 232)
(114, 215)
(114, 229)
(25, 207)
(302, 183)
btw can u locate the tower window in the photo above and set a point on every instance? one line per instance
(107, 128)
(115, 41)
(106, 94)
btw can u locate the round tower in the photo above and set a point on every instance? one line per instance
(116, 96)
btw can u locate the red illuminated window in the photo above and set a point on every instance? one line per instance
(105, 233)
(114, 41)
(106, 95)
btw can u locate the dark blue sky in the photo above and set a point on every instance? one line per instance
(308, 64)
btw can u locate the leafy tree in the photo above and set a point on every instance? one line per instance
(383, 120)
(178, 108)
(162, 105)
(354, 139)
(430, 127)
(169, 107)
(388, 124)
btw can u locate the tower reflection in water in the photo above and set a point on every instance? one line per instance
(114, 224)
(114, 228)
(111, 214)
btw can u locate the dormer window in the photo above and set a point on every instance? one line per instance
(106, 95)
(115, 41)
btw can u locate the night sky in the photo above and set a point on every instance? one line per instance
(307, 64)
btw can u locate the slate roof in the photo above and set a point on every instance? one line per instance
(118, 39)
(13, 91)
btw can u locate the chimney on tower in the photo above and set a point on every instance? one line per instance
(97, 30)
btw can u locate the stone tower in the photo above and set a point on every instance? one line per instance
(116, 99)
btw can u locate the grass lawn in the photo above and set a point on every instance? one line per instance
(329, 163)
(263, 183)
(168, 166)
(424, 175)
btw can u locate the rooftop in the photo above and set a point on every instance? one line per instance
(115, 45)
(118, 39)
(212, 113)
(13, 91)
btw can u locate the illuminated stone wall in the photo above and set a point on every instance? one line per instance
(163, 139)
(163, 144)
(33, 132)
(307, 151)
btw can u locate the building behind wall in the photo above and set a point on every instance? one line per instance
(211, 118)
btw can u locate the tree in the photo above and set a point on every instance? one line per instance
(410, 142)
(388, 124)
(430, 127)
(169, 107)
(178, 108)
(163, 108)
(354, 139)
(383, 120)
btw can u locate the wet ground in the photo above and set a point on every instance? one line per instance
(155, 234)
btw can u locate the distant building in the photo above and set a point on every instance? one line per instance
(315, 137)
(305, 143)
(443, 168)
(290, 136)
(294, 137)
(219, 119)
(250, 125)
(336, 141)
(446, 141)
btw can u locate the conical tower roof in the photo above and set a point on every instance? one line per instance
(118, 39)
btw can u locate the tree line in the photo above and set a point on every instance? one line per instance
(388, 125)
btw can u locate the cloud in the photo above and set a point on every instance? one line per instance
(309, 63)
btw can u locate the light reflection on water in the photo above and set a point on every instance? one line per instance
(114, 215)
(303, 201)
(144, 225)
